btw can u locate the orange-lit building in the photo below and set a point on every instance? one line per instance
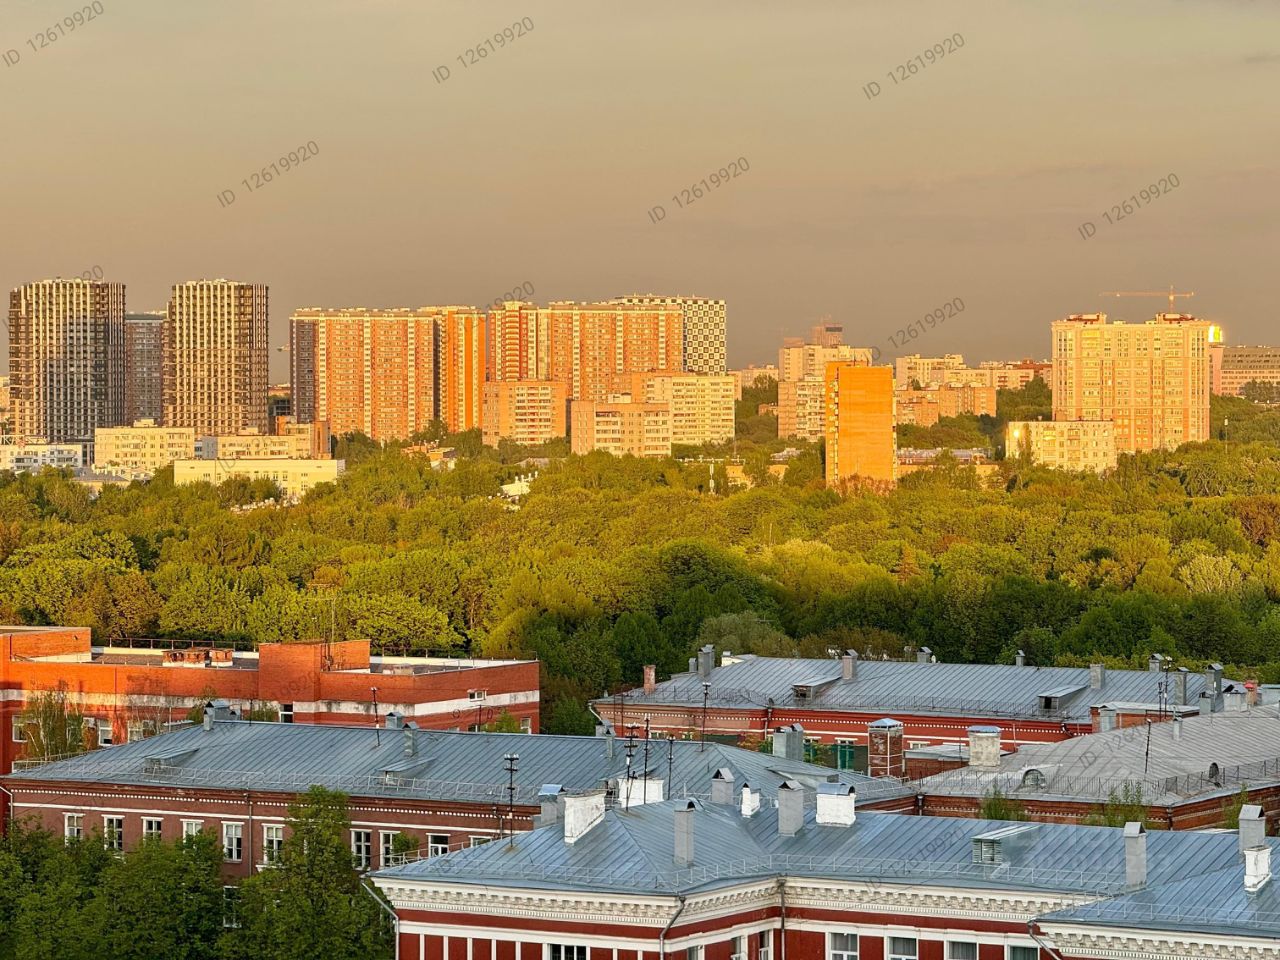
(620, 426)
(519, 342)
(800, 408)
(367, 371)
(926, 407)
(127, 693)
(528, 412)
(701, 405)
(859, 423)
(463, 357)
(592, 341)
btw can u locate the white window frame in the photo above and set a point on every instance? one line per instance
(286, 713)
(73, 826)
(526, 724)
(272, 843)
(191, 828)
(479, 839)
(567, 951)
(230, 906)
(435, 848)
(891, 954)
(106, 735)
(950, 953)
(152, 828)
(842, 953)
(113, 832)
(362, 848)
(476, 695)
(17, 731)
(233, 830)
(738, 947)
(1021, 946)
(764, 945)
(386, 846)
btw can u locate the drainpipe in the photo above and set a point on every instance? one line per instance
(395, 920)
(782, 916)
(1044, 944)
(662, 937)
(13, 813)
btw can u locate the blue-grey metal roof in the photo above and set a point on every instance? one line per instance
(899, 687)
(360, 761)
(631, 851)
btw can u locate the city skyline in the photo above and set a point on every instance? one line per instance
(866, 209)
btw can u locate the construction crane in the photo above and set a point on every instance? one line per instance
(1150, 293)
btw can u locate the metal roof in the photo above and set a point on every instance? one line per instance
(237, 754)
(898, 687)
(1213, 753)
(631, 851)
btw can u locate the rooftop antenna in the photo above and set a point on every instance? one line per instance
(631, 752)
(646, 756)
(511, 760)
(377, 733)
(706, 695)
(1146, 760)
(671, 759)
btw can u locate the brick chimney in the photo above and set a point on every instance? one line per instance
(885, 757)
(1180, 687)
(581, 813)
(706, 661)
(1257, 868)
(984, 747)
(650, 678)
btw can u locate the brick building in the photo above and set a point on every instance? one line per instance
(129, 692)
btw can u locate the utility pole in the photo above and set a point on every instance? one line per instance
(377, 733)
(706, 695)
(511, 760)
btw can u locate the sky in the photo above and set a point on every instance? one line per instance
(539, 162)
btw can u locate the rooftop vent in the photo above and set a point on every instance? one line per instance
(790, 808)
(683, 822)
(750, 802)
(837, 804)
(722, 786)
(1034, 779)
(581, 813)
(1257, 868)
(1253, 827)
(1002, 844)
(849, 665)
(1135, 855)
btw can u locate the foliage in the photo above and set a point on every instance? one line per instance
(504, 722)
(997, 806)
(53, 727)
(1126, 805)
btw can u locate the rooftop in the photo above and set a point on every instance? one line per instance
(443, 765)
(893, 687)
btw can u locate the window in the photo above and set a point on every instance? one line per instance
(362, 848)
(764, 945)
(387, 842)
(903, 948)
(231, 906)
(738, 948)
(962, 951)
(560, 951)
(152, 828)
(479, 841)
(437, 844)
(842, 946)
(697, 952)
(19, 731)
(113, 833)
(73, 825)
(191, 828)
(272, 842)
(286, 713)
(1024, 953)
(476, 694)
(526, 725)
(232, 842)
(104, 733)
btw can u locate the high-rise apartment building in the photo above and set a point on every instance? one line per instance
(527, 412)
(701, 405)
(215, 356)
(799, 360)
(1234, 366)
(374, 372)
(1074, 445)
(66, 358)
(705, 328)
(620, 425)
(1151, 379)
(827, 334)
(463, 358)
(590, 342)
(519, 342)
(801, 407)
(143, 367)
(859, 423)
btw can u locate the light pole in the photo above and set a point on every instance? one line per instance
(377, 734)
(511, 760)
(706, 695)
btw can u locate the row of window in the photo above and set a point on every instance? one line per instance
(844, 946)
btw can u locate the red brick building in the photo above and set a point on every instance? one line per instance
(130, 693)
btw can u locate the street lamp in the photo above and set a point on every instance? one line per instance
(706, 695)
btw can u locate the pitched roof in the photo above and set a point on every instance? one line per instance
(972, 689)
(445, 765)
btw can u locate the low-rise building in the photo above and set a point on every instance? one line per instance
(138, 451)
(801, 406)
(292, 440)
(1075, 445)
(736, 878)
(925, 407)
(34, 455)
(701, 405)
(619, 425)
(527, 412)
(294, 476)
(1232, 367)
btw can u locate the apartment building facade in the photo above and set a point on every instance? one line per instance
(1233, 366)
(590, 342)
(1074, 445)
(463, 362)
(620, 425)
(66, 358)
(527, 412)
(927, 406)
(701, 405)
(704, 326)
(858, 423)
(798, 360)
(215, 356)
(802, 408)
(143, 367)
(138, 451)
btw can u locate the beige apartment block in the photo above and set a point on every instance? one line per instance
(801, 407)
(1234, 366)
(215, 357)
(293, 477)
(1074, 445)
(1150, 379)
(137, 452)
(701, 405)
(926, 407)
(527, 412)
(747, 376)
(297, 441)
(797, 360)
(620, 426)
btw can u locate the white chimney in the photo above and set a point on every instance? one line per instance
(1257, 868)
(849, 665)
(1135, 855)
(790, 808)
(1253, 827)
(837, 804)
(581, 813)
(683, 822)
(984, 748)
(750, 800)
(722, 786)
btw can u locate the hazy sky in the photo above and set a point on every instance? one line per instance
(538, 163)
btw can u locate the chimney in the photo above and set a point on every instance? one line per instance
(1106, 718)
(1180, 687)
(722, 786)
(884, 749)
(1177, 727)
(924, 655)
(1020, 660)
(1135, 856)
(408, 739)
(650, 679)
(208, 716)
(606, 731)
(581, 813)
(750, 801)
(790, 808)
(683, 822)
(984, 748)
(1257, 868)
(1234, 701)
(706, 661)
(549, 803)
(1213, 686)
(788, 742)
(1154, 663)
(849, 665)
(1253, 827)
(394, 721)
(1097, 676)
(837, 804)
(693, 664)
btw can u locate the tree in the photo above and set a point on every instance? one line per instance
(1126, 805)
(53, 727)
(505, 722)
(312, 906)
(996, 806)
